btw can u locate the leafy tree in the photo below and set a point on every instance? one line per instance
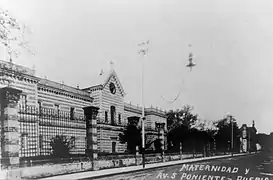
(132, 136)
(158, 145)
(223, 136)
(265, 141)
(12, 34)
(179, 123)
(60, 146)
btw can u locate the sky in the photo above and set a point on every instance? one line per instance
(231, 42)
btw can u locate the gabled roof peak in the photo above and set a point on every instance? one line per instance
(102, 78)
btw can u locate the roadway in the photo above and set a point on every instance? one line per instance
(253, 167)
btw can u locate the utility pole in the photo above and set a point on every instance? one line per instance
(248, 140)
(231, 134)
(143, 51)
(231, 123)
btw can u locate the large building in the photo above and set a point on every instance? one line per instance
(48, 108)
(248, 138)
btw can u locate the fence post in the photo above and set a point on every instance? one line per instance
(137, 151)
(10, 146)
(137, 155)
(162, 156)
(91, 113)
(181, 152)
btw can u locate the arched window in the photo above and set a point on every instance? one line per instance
(113, 114)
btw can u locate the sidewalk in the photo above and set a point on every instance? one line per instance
(122, 170)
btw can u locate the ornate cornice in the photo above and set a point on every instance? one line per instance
(10, 74)
(92, 88)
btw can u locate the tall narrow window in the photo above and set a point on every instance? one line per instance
(40, 105)
(72, 113)
(113, 114)
(106, 116)
(40, 141)
(114, 147)
(119, 118)
(73, 142)
(24, 140)
(57, 110)
(23, 102)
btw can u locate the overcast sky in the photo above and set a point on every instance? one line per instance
(232, 45)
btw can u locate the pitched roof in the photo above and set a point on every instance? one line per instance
(102, 78)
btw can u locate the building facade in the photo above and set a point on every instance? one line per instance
(248, 138)
(114, 113)
(47, 108)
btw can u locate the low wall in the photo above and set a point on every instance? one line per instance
(106, 164)
(65, 168)
(46, 170)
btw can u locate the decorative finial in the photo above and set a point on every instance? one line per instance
(101, 72)
(111, 65)
(78, 87)
(62, 84)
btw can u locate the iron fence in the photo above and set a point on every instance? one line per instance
(38, 125)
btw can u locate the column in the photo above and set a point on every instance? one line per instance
(91, 113)
(10, 146)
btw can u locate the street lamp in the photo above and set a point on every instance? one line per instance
(143, 51)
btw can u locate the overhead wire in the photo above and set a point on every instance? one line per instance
(183, 83)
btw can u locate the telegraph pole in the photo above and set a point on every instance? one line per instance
(231, 120)
(248, 139)
(143, 51)
(231, 123)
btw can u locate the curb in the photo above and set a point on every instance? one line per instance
(126, 170)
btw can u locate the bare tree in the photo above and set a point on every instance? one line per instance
(12, 34)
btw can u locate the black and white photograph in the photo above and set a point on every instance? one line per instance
(136, 89)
